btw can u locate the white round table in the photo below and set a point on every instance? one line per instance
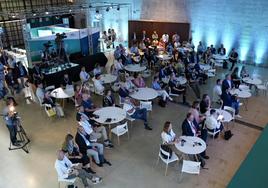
(135, 68)
(227, 117)
(182, 80)
(144, 94)
(108, 78)
(219, 57)
(252, 81)
(60, 93)
(191, 145)
(114, 113)
(164, 57)
(205, 67)
(241, 93)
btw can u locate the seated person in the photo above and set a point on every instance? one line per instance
(205, 104)
(67, 170)
(71, 150)
(135, 112)
(89, 148)
(199, 119)
(108, 99)
(84, 76)
(138, 80)
(177, 89)
(40, 92)
(169, 137)
(93, 129)
(98, 84)
(190, 128)
(162, 73)
(200, 73)
(213, 123)
(97, 69)
(235, 78)
(88, 104)
(231, 101)
(192, 78)
(123, 91)
(128, 83)
(221, 50)
(48, 100)
(118, 66)
(66, 82)
(134, 49)
(244, 72)
(217, 91)
(12, 82)
(161, 92)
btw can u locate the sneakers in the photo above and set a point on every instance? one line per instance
(96, 180)
(170, 99)
(89, 170)
(238, 116)
(107, 162)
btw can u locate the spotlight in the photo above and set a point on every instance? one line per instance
(13, 16)
(118, 8)
(34, 14)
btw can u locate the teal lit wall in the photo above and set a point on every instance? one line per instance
(235, 23)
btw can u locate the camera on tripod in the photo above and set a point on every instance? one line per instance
(61, 36)
(47, 44)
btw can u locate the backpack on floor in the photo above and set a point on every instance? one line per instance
(162, 103)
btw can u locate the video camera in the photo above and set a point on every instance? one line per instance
(48, 44)
(61, 36)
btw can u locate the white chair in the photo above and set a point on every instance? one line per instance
(50, 88)
(263, 87)
(147, 105)
(212, 133)
(169, 159)
(40, 100)
(231, 111)
(130, 119)
(120, 130)
(66, 181)
(190, 167)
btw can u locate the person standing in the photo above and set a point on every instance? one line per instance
(233, 57)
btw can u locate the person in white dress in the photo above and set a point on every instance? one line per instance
(213, 122)
(84, 76)
(99, 88)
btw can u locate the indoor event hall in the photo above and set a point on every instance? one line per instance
(133, 93)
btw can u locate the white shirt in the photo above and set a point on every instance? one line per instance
(192, 127)
(63, 167)
(87, 127)
(216, 93)
(165, 37)
(98, 86)
(167, 138)
(128, 107)
(212, 123)
(84, 76)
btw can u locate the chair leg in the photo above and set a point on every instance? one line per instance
(128, 135)
(157, 162)
(166, 169)
(118, 141)
(180, 177)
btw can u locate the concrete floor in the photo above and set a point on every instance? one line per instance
(134, 159)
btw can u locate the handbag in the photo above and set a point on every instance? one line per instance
(227, 135)
(50, 111)
(166, 148)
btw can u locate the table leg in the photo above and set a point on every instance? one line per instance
(246, 104)
(110, 133)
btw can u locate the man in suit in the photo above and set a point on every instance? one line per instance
(191, 128)
(231, 101)
(89, 148)
(222, 50)
(233, 57)
(227, 83)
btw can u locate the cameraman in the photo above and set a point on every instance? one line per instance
(10, 120)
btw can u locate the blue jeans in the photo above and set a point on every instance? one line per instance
(235, 105)
(140, 114)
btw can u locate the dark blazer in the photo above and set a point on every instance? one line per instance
(226, 98)
(123, 92)
(224, 51)
(225, 85)
(108, 101)
(186, 128)
(81, 143)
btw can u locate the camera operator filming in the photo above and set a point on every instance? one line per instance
(14, 126)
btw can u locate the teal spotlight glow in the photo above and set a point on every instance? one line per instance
(260, 51)
(243, 53)
(211, 37)
(228, 40)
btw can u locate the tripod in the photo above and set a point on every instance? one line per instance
(23, 138)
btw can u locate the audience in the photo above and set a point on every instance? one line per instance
(227, 83)
(84, 76)
(231, 101)
(88, 104)
(135, 112)
(89, 148)
(194, 110)
(98, 84)
(67, 170)
(177, 89)
(138, 80)
(108, 99)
